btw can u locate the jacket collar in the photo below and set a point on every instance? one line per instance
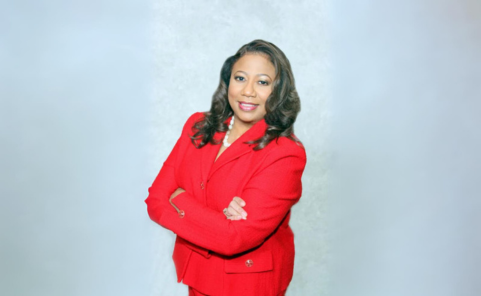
(235, 150)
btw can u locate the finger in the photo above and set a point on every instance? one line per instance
(234, 204)
(234, 218)
(240, 201)
(231, 212)
(238, 209)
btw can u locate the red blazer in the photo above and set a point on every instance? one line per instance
(218, 256)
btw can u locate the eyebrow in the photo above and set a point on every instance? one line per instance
(261, 74)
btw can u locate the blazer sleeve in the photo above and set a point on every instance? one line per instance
(270, 194)
(165, 184)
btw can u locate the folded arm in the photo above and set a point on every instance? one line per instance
(269, 194)
(165, 184)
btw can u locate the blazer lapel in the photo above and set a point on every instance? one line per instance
(208, 155)
(236, 149)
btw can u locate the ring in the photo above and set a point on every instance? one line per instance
(225, 213)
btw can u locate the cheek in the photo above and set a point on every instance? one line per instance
(231, 91)
(231, 96)
(264, 95)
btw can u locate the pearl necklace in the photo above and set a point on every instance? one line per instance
(224, 142)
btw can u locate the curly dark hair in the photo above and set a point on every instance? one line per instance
(282, 106)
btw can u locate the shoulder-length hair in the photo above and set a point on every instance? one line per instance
(282, 105)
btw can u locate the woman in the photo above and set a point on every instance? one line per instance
(228, 185)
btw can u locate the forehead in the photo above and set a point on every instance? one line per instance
(253, 63)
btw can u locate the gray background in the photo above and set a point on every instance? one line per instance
(406, 141)
(94, 95)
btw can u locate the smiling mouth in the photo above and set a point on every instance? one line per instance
(247, 106)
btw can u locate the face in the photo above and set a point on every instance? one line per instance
(249, 87)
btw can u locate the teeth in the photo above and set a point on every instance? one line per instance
(247, 106)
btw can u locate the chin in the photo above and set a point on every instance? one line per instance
(249, 119)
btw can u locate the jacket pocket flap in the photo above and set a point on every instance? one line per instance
(250, 262)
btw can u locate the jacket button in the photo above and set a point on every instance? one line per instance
(249, 263)
(202, 185)
(181, 214)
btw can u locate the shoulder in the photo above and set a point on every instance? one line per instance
(189, 124)
(283, 157)
(285, 147)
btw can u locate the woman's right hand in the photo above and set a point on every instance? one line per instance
(235, 209)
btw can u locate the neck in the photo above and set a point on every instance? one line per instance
(239, 127)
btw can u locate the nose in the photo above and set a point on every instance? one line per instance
(249, 90)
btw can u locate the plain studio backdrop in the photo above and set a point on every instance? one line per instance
(93, 95)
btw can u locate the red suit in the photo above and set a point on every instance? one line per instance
(215, 255)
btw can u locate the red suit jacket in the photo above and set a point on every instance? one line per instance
(218, 256)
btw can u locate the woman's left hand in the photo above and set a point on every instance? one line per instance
(235, 209)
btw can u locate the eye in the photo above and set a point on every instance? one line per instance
(263, 82)
(239, 78)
